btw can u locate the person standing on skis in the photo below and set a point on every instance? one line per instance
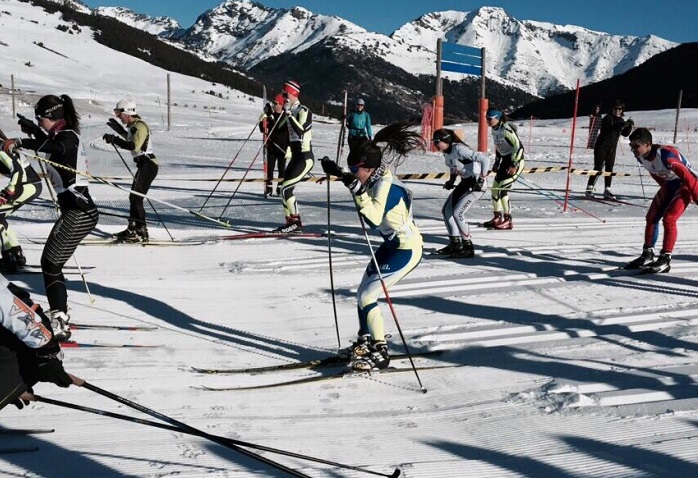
(59, 137)
(678, 187)
(137, 139)
(386, 205)
(508, 165)
(299, 121)
(274, 122)
(472, 168)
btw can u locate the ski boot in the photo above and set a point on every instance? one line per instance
(506, 223)
(142, 233)
(466, 250)
(645, 258)
(293, 225)
(494, 221)
(8, 263)
(455, 244)
(377, 358)
(17, 253)
(661, 265)
(357, 349)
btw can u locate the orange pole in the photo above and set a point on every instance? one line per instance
(438, 118)
(483, 103)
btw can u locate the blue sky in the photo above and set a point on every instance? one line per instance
(672, 20)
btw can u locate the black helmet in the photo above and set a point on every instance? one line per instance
(50, 106)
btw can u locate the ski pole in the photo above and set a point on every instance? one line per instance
(228, 167)
(147, 199)
(555, 197)
(186, 428)
(340, 144)
(232, 441)
(264, 143)
(642, 183)
(387, 296)
(329, 258)
(130, 191)
(342, 129)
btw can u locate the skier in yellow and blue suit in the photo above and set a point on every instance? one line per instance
(386, 205)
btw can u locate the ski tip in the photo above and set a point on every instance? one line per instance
(396, 473)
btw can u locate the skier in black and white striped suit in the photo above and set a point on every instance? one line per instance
(58, 137)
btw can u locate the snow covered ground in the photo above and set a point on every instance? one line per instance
(558, 365)
(554, 364)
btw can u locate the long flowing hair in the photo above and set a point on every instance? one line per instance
(394, 140)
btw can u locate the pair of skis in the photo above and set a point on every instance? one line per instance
(325, 363)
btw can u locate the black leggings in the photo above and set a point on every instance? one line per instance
(145, 174)
(275, 156)
(71, 228)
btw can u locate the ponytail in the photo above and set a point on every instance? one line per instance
(71, 116)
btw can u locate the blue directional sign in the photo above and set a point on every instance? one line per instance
(461, 59)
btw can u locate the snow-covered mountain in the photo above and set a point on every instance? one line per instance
(538, 57)
(160, 26)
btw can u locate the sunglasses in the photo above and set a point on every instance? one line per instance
(437, 140)
(118, 111)
(354, 169)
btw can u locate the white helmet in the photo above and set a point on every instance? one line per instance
(126, 106)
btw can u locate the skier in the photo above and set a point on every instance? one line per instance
(299, 121)
(386, 205)
(24, 186)
(58, 136)
(678, 186)
(508, 165)
(472, 168)
(613, 126)
(137, 139)
(358, 124)
(28, 351)
(275, 123)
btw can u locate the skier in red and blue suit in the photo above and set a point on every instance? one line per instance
(678, 187)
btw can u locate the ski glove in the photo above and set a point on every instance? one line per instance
(11, 144)
(353, 183)
(109, 138)
(116, 126)
(450, 184)
(20, 402)
(268, 109)
(27, 126)
(480, 183)
(6, 196)
(51, 370)
(330, 167)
